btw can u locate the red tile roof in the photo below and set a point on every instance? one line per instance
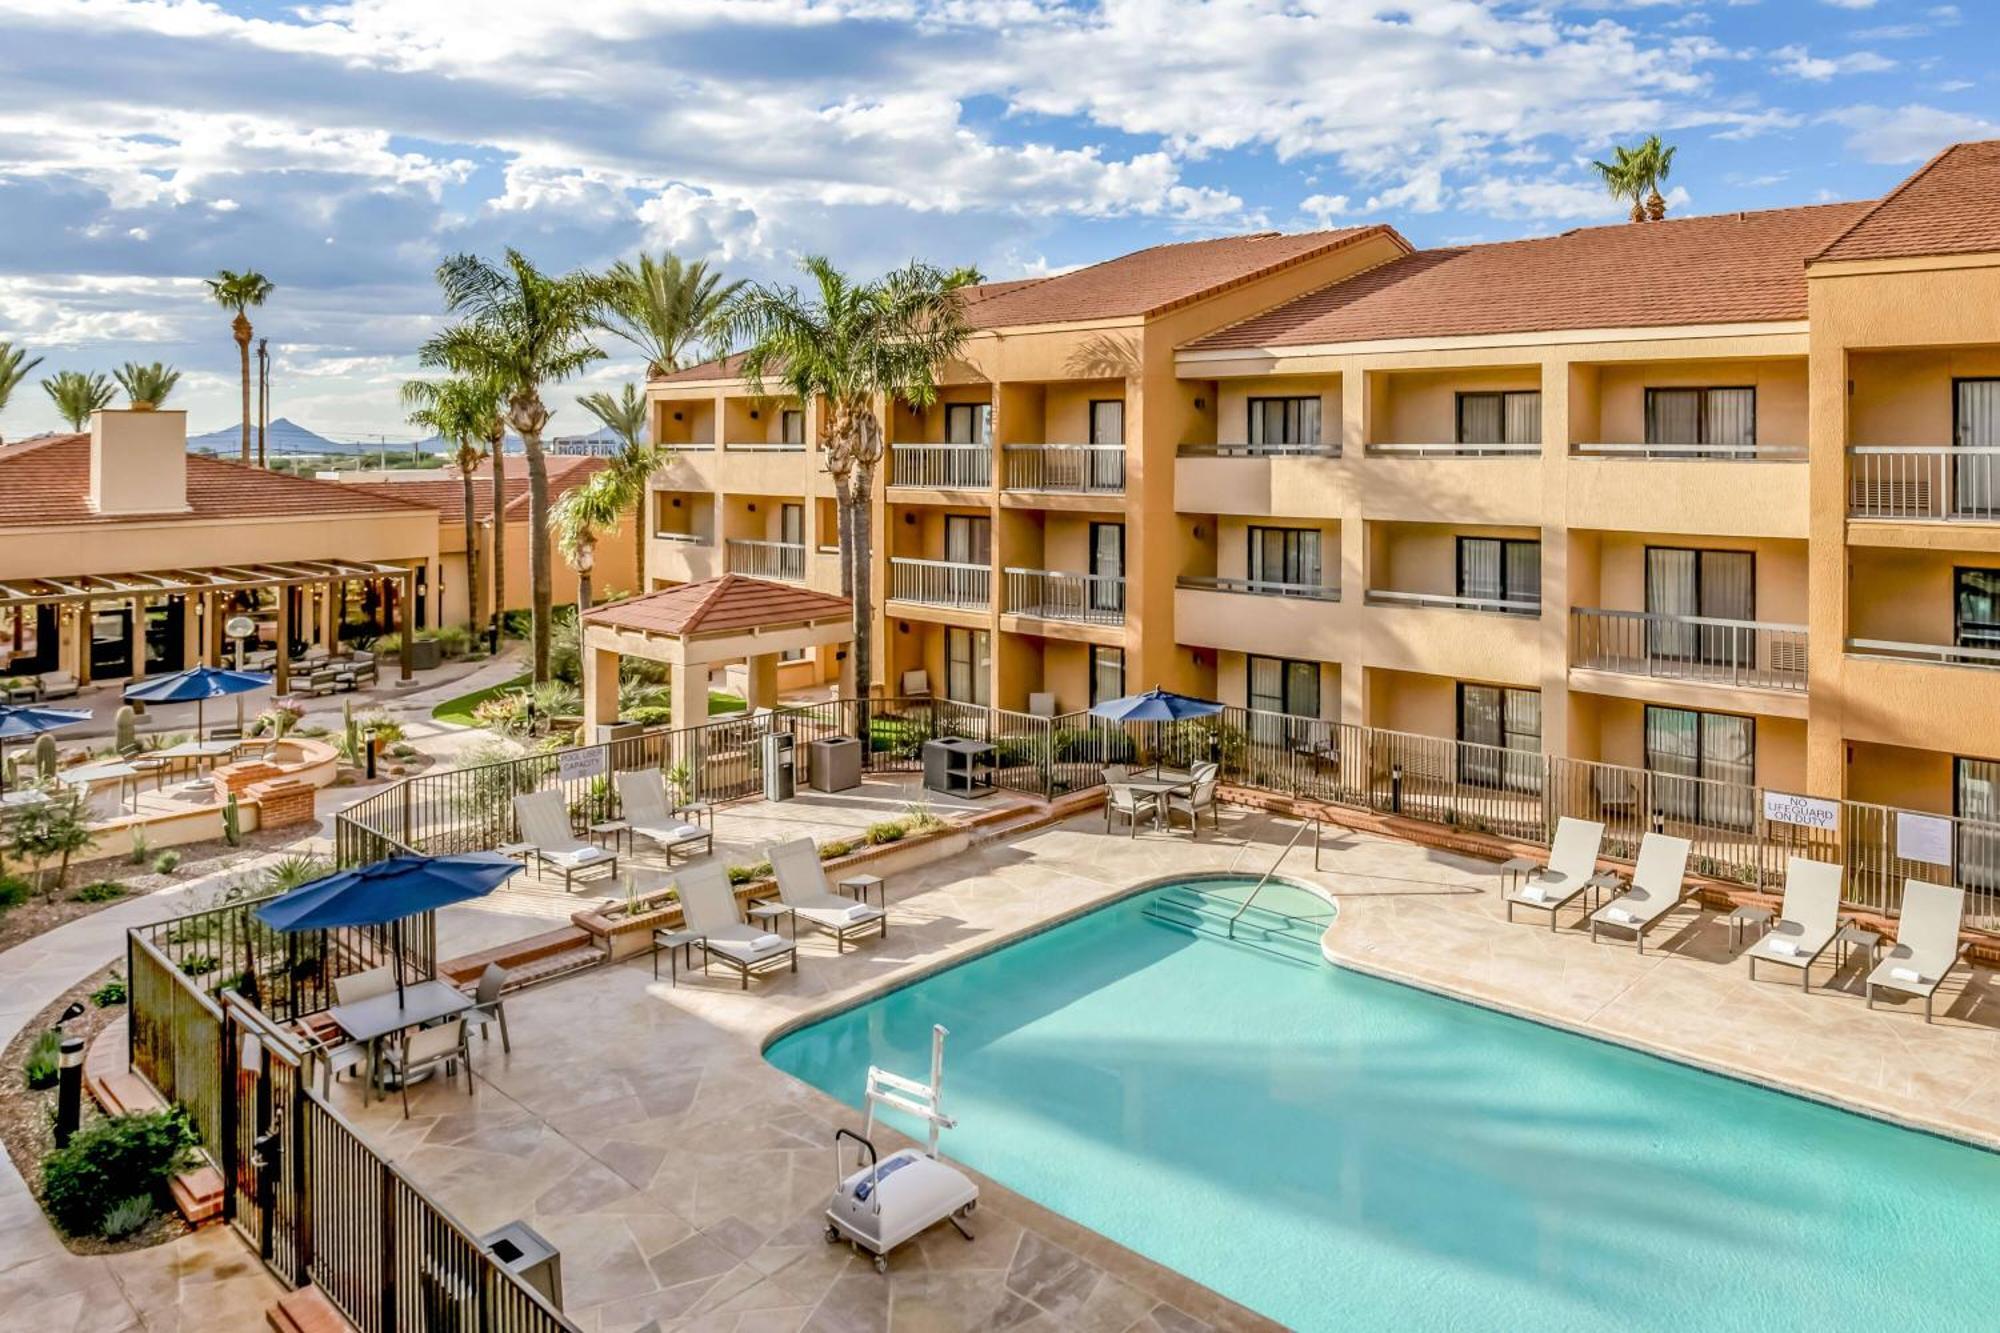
(1728, 269)
(47, 481)
(1946, 208)
(732, 602)
(447, 496)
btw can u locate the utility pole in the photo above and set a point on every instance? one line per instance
(263, 396)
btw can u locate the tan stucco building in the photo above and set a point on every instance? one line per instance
(1717, 496)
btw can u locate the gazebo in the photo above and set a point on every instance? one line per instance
(698, 627)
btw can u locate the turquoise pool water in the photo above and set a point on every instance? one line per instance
(1336, 1151)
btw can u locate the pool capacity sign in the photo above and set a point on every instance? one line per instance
(1782, 807)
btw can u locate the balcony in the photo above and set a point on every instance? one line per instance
(1924, 484)
(1698, 649)
(942, 467)
(1698, 453)
(948, 583)
(1695, 489)
(1066, 469)
(1517, 450)
(1330, 449)
(1314, 592)
(1439, 601)
(1937, 654)
(766, 560)
(1081, 599)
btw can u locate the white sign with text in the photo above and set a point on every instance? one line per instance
(1782, 807)
(574, 764)
(1923, 838)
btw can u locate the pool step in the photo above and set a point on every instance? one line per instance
(1287, 938)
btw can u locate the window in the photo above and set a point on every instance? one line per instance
(1107, 421)
(1107, 674)
(1284, 421)
(1285, 555)
(1507, 720)
(1501, 569)
(791, 426)
(1107, 566)
(968, 539)
(968, 423)
(1715, 585)
(792, 524)
(1725, 418)
(1514, 417)
(1282, 685)
(1105, 468)
(1975, 799)
(967, 661)
(1703, 765)
(1975, 412)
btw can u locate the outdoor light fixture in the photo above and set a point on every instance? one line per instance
(753, 414)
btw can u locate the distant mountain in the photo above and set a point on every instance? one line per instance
(285, 436)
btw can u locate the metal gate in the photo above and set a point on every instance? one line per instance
(263, 1138)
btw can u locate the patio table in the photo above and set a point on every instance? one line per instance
(368, 1021)
(192, 753)
(1164, 784)
(111, 768)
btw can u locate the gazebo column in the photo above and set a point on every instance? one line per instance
(329, 628)
(82, 668)
(762, 686)
(191, 655)
(689, 682)
(135, 638)
(407, 605)
(281, 676)
(600, 688)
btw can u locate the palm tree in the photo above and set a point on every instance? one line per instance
(146, 387)
(664, 307)
(14, 368)
(1621, 179)
(238, 292)
(1653, 162)
(579, 518)
(522, 329)
(847, 347)
(76, 395)
(466, 414)
(635, 463)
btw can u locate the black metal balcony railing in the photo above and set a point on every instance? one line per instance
(1706, 649)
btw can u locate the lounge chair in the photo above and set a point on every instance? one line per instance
(802, 887)
(1927, 945)
(1807, 923)
(1120, 799)
(1563, 878)
(709, 910)
(642, 801)
(544, 824)
(1658, 885)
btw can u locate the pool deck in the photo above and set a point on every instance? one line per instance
(639, 1128)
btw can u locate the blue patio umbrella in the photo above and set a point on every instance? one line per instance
(1155, 705)
(386, 891)
(196, 685)
(22, 720)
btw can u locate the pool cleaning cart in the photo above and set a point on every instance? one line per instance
(887, 1200)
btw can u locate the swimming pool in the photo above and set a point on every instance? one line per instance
(1336, 1151)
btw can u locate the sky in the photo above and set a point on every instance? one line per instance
(343, 149)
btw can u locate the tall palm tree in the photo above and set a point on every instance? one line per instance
(664, 307)
(239, 292)
(14, 368)
(1621, 179)
(522, 328)
(635, 462)
(146, 387)
(849, 346)
(76, 395)
(584, 514)
(466, 414)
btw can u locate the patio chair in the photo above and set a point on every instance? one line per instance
(1200, 796)
(1927, 946)
(916, 684)
(1616, 793)
(1114, 773)
(1658, 885)
(643, 802)
(488, 1009)
(57, 685)
(709, 909)
(1569, 871)
(544, 823)
(358, 986)
(1808, 921)
(427, 1049)
(802, 888)
(1119, 799)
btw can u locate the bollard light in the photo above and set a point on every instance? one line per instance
(1396, 789)
(69, 1091)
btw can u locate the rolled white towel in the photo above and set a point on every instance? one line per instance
(1779, 944)
(763, 942)
(859, 912)
(1532, 893)
(1909, 974)
(1618, 914)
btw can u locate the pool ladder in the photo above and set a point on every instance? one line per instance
(1258, 888)
(1279, 935)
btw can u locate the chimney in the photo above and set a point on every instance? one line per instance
(138, 462)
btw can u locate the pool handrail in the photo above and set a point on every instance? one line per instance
(1257, 888)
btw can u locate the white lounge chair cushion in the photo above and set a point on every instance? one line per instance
(746, 944)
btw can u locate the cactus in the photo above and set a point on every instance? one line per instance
(128, 730)
(45, 757)
(232, 821)
(350, 732)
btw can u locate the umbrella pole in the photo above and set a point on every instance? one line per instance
(200, 729)
(396, 931)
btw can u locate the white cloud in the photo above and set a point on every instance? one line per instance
(1908, 133)
(1802, 64)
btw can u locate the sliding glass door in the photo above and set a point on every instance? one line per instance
(1703, 765)
(1510, 722)
(1719, 585)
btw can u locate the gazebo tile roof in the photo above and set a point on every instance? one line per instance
(720, 605)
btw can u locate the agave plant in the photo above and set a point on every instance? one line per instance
(146, 387)
(77, 395)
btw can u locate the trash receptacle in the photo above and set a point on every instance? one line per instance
(835, 763)
(618, 731)
(524, 1252)
(780, 781)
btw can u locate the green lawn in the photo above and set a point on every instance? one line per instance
(459, 711)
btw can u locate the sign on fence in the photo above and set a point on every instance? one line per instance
(1925, 838)
(585, 763)
(1783, 807)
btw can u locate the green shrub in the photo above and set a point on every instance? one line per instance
(834, 850)
(387, 729)
(13, 891)
(142, 847)
(167, 862)
(44, 1062)
(885, 831)
(199, 964)
(918, 816)
(287, 873)
(649, 715)
(744, 874)
(112, 1161)
(104, 891)
(452, 640)
(110, 993)
(126, 1216)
